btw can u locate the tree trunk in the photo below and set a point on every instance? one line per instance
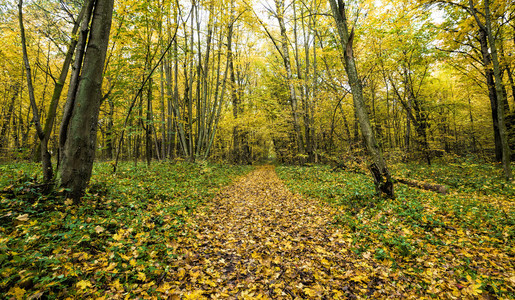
(382, 177)
(289, 74)
(54, 102)
(506, 156)
(45, 155)
(80, 145)
(236, 151)
(4, 141)
(74, 80)
(109, 130)
(473, 131)
(492, 95)
(149, 125)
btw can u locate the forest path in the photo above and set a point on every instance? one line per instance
(257, 240)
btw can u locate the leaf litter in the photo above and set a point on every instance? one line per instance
(257, 240)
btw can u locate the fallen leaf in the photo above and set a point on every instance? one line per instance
(23, 218)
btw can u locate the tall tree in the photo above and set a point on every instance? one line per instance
(467, 36)
(45, 155)
(382, 177)
(506, 155)
(81, 132)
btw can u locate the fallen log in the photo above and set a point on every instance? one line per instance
(424, 185)
(358, 169)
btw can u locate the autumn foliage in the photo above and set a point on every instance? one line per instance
(280, 149)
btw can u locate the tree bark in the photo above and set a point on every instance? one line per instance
(56, 95)
(234, 96)
(74, 80)
(492, 95)
(289, 75)
(149, 125)
(378, 168)
(4, 141)
(45, 155)
(80, 144)
(506, 156)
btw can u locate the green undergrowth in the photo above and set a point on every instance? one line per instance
(460, 175)
(119, 238)
(451, 246)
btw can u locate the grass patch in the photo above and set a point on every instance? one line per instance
(119, 240)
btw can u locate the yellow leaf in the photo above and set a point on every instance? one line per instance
(320, 250)
(210, 282)
(133, 262)
(83, 284)
(68, 201)
(111, 266)
(181, 272)
(248, 295)
(475, 288)
(358, 278)
(194, 274)
(166, 287)
(310, 292)
(141, 276)
(117, 285)
(117, 237)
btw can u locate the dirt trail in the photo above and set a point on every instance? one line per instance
(257, 240)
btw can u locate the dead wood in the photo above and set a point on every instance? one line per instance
(424, 185)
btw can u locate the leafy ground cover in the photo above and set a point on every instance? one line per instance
(258, 240)
(119, 240)
(151, 233)
(422, 244)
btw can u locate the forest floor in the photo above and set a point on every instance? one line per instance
(206, 231)
(258, 240)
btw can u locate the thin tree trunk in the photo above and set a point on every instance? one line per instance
(289, 75)
(163, 108)
(492, 95)
(4, 141)
(45, 155)
(148, 125)
(56, 95)
(133, 102)
(382, 177)
(473, 131)
(218, 100)
(506, 156)
(109, 130)
(236, 151)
